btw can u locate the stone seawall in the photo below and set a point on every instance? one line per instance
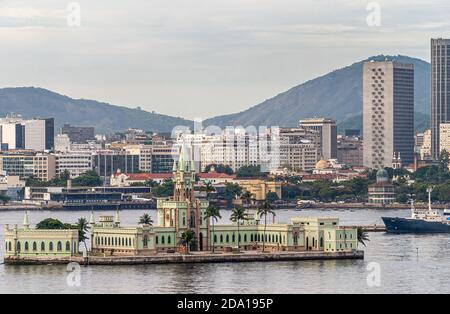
(194, 258)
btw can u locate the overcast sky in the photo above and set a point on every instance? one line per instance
(201, 58)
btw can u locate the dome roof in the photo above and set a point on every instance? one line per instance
(382, 175)
(321, 165)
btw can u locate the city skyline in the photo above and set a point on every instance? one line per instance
(216, 58)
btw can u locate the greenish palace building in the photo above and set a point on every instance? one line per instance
(33, 243)
(184, 212)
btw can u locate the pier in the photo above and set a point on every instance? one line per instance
(194, 258)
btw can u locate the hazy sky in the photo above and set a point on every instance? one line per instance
(201, 58)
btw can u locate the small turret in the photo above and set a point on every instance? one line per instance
(26, 221)
(117, 219)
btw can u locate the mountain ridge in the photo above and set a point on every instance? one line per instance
(33, 102)
(336, 95)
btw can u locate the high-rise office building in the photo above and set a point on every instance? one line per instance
(440, 90)
(35, 134)
(388, 113)
(328, 131)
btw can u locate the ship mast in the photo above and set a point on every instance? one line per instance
(429, 190)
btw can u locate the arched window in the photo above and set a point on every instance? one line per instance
(145, 241)
(34, 246)
(163, 240)
(169, 240)
(42, 246)
(192, 220)
(233, 238)
(184, 221)
(67, 246)
(50, 246)
(9, 247)
(215, 238)
(251, 237)
(245, 237)
(19, 247)
(240, 238)
(59, 246)
(228, 238)
(221, 238)
(157, 240)
(26, 247)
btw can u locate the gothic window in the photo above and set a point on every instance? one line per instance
(50, 247)
(192, 220)
(34, 246)
(67, 246)
(19, 247)
(26, 247)
(221, 238)
(59, 248)
(228, 238)
(42, 246)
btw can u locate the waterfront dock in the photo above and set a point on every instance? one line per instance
(194, 258)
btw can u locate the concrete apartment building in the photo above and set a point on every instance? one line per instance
(440, 91)
(388, 113)
(350, 151)
(299, 148)
(76, 163)
(79, 134)
(328, 131)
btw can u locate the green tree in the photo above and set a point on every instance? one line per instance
(250, 172)
(52, 224)
(88, 179)
(264, 210)
(232, 191)
(363, 236)
(209, 189)
(272, 197)
(213, 213)
(219, 169)
(164, 190)
(83, 229)
(237, 216)
(188, 239)
(146, 219)
(5, 199)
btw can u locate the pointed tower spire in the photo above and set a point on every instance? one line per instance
(92, 219)
(117, 219)
(26, 221)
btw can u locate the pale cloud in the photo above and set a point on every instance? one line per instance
(202, 57)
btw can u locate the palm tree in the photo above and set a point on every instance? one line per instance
(187, 239)
(265, 209)
(363, 236)
(237, 216)
(146, 219)
(247, 197)
(83, 228)
(213, 213)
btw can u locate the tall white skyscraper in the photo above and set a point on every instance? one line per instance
(440, 91)
(388, 113)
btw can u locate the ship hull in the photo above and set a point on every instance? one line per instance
(403, 225)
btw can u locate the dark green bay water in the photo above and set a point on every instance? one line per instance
(407, 264)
